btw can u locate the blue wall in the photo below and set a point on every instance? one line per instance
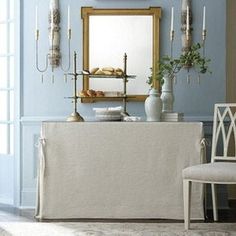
(193, 99)
(47, 100)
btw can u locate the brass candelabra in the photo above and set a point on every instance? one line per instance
(125, 80)
(75, 116)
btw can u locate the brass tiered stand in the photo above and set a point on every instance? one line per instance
(75, 116)
(125, 79)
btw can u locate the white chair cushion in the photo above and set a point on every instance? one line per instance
(212, 172)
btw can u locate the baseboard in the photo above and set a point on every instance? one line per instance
(28, 197)
(6, 201)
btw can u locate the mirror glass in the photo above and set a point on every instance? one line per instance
(110, 33)
(111, 37)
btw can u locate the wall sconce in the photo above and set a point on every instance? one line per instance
(186, 38)
(54, 34)
(186, 22)
(54, 56)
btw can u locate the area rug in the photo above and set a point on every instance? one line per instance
(115, 229)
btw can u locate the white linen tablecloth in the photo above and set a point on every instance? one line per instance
(117, 169)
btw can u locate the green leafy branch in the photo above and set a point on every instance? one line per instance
(170, 67)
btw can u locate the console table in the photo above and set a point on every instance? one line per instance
(117, 169)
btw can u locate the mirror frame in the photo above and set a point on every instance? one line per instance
(86, 12)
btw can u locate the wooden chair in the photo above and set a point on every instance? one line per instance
(221, 170)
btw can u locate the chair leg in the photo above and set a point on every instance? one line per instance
(187, 202)
(214, 202)
(204, 200)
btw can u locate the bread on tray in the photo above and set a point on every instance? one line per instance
(107, 71)
(91, 93)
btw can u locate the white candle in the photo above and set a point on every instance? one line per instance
(172, 19)
(68, 15)
(187, 20)
(54, 4)
(36, 18)
(204, 18)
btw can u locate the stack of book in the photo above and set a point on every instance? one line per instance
(172, 117)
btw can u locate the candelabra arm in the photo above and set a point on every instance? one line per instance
(188, 34)
(203, 49)
(37, 59)
(172, 33)
(203, 41)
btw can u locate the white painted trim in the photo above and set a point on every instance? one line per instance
(7, 55)
(198, 118)
(6, 156)
(7, 89)
(6, 21)
(28, 197)
(17, 102)
(29, 190)
(6, 200)
(39, 119)
(7, 122)
(11, 199)
(26, 207)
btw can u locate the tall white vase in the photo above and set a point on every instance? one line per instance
(167, 95)
(153, 106)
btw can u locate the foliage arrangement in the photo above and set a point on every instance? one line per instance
(170, 66)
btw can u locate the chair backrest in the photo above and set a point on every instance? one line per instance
(224, 133)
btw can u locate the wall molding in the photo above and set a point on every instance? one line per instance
(27, 120)
(199, 118)
(26, 207)
(38, 119)
(28, 198)
(6, 200)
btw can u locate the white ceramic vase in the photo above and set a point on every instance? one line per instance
(167, 95)
(153, 106)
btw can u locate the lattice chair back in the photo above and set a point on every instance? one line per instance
(224, 133)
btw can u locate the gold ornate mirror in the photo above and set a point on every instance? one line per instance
(109, 34)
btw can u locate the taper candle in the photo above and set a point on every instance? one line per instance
(204, 19)
(68, 15)
(172, 19)
(36, 18)
(187, 19)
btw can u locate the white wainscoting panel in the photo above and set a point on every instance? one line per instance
(29, 158)
(6, 179)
